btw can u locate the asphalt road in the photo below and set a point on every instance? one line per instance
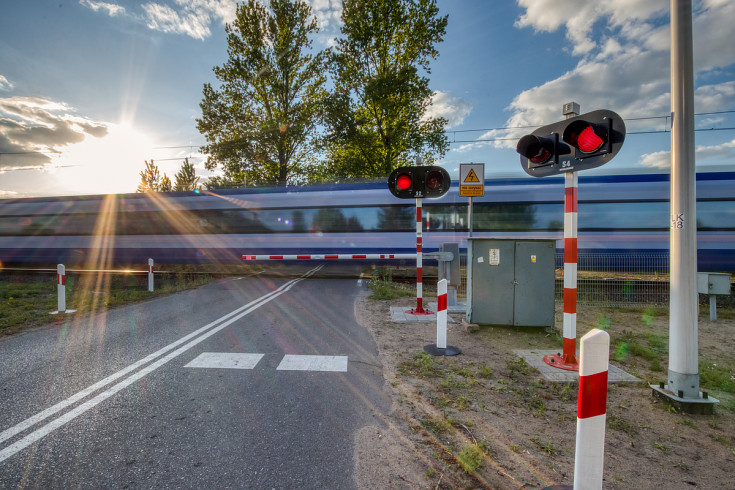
(126, 400)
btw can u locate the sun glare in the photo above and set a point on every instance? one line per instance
(107, 165)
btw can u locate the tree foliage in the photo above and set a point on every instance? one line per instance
(377, 112)
(150, 178)
(186, 178)
(261, 122)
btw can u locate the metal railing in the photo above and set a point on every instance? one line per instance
(618, 279)
(609, 279)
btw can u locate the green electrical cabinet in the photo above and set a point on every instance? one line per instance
(511, 282)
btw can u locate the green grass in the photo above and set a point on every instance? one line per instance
(717, 377)
(470, 458)
(27, 300)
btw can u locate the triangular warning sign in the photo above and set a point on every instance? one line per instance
(471, 177)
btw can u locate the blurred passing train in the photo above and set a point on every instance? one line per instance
(618, 214)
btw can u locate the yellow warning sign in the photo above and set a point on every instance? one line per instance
(471, 177)
(470, 183)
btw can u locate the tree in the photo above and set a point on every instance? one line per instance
(149, 178)
(165, 185)
(261, 122)
(377, 113)
(186, 178)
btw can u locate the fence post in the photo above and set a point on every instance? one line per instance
(592, 408)
(150, 275)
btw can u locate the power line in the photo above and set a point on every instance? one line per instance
(500, 128)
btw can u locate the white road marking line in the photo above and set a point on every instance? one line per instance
(72, 414)
(225, 360)
(313, 363)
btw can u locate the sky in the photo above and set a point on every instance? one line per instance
(90, 89)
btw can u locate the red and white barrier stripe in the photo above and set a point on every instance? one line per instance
(61, 287)
(419, 260)
(150, 275)
(592, 409)
(571, 185)
(330, 257)
(441, 315)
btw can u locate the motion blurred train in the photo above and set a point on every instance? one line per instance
(621, 215)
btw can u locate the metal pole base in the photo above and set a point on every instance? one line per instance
(557, 361)
(703, 405)
(65, 311)
(450, 350)
(419, 312)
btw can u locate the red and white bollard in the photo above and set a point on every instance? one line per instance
(61, 290)
(441, 348)
(61, 287)
(150, 275)
(592, 409)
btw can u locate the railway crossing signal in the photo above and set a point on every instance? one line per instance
(419, 182)
(579, 143)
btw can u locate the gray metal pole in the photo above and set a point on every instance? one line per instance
(683, 362)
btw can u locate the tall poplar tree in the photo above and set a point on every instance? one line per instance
(377, 113)
(261, 121)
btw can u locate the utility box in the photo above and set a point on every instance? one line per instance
(713, 283)
(511, 282)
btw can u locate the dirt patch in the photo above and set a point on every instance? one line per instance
(488, 419)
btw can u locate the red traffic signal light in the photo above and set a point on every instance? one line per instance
(413, 182)
(579, 143)
(404, 181)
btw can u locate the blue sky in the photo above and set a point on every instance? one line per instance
(90, 89)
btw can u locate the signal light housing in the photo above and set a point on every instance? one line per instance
(425, 182)
(580, 143)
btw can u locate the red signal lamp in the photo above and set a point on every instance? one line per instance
(404, 181)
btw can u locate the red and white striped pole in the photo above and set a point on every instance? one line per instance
(571, 185)
(419, 263)
(61, 288)
(591, 410)
(150, 275)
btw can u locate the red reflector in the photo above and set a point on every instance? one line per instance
(588, 141)
(403, 182)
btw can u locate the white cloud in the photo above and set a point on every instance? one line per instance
(627, 68)
(5, 83)
(32, 129)
(110, 9)
(580, 16)
(453, 109)
(662, 159)
(190, 17)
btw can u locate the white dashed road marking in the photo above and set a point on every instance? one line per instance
(225, 360)
(313, 363)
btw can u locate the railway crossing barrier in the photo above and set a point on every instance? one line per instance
(448, 269)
